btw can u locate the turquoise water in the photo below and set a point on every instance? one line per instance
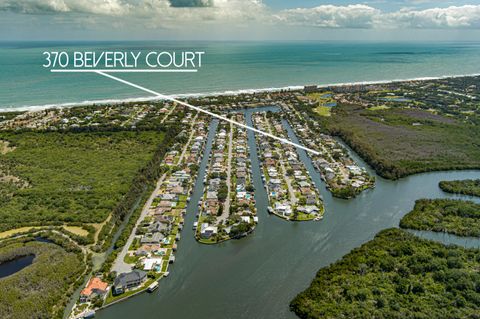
(228, 66)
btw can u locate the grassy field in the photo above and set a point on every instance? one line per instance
(42, 289)
(16, 231)
(60, 178)
(378, 108)
(323, 110)
(400, 142)
(79, 231)
(457, 217)
(396, 275)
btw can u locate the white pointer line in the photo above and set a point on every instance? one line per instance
(196, 108)
(124, 70)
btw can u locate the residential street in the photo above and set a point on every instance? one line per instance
(119, 265)
(226, 210)
(291, 191)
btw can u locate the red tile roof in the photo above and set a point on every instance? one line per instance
(94, 284)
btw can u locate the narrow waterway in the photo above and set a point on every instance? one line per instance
(316, 178)
(257, 276)
(261, 196)
(448, 239)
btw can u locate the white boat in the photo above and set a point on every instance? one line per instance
(195, 224)
(153, 287)
(89, 314)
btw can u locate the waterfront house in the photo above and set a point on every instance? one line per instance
(151, 263)
(128, 280)
(207, 231)
(311, 209)
(241, 195)
(245, 219)
(358, 183)
(95, 287)
(284, 209)
(304, 184)
(179, 190)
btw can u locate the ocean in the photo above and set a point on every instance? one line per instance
(228, 67)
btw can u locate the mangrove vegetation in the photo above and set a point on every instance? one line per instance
(456, 217)
(396, 275)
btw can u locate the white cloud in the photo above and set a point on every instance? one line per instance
(107, 7)
(134, 8)
(161, 13)
(364, 16)
(467, 16)
(330, 16)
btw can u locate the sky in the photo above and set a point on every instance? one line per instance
(381, 20)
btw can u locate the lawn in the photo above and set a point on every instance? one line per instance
(323, 111)
(378, 108)
(300, 217)
(130, 259)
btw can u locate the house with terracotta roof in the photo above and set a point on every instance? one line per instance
(95, 287)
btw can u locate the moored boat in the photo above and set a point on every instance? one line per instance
(153, 287)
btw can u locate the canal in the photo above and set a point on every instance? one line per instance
(257, 276)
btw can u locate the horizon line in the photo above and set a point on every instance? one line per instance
(123, 70)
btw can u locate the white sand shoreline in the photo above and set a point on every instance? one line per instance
(213, 94)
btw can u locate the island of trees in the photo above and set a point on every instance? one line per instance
(457, 217)
(469, 187)
(396, 275)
